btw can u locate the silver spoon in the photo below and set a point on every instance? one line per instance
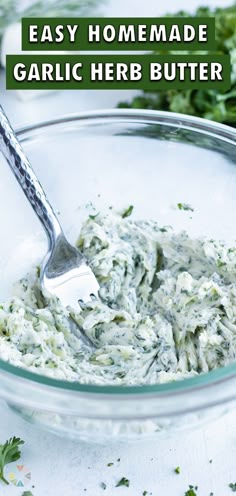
(64, 272)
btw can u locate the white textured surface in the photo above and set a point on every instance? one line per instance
(61, 467)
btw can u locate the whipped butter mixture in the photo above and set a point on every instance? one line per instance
(167, 309)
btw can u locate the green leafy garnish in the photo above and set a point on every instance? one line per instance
(27, 493)
(9, 452)
(177, 470)
(233, 486)
(185, 206)
(127, 212)
(191, 491)
(123, 482)
(145, 493)
(110, 464)
(214, 104)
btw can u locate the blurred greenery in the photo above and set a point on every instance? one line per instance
(210, 104)
(12, 10)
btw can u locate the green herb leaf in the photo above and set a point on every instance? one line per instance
(9, 452)
(123, 482)
(185, 206)
(92, 217)
(191, 491)
(127, 212)
(103, 485)
(177, 470)
(110, 464)
(233, 486)
(27, 493)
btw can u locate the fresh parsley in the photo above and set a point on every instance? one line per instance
(233, 486)
(177, 470)
(123, 482)
(110, 464)
(185, 206)
(9, 452)
(191, 491)
(127, 212)
(93, 216)
(212, 104)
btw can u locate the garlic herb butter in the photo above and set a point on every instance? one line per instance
(167, 309)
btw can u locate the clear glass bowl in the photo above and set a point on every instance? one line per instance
(152, 160)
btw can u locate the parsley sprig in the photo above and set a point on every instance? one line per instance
(9, 452)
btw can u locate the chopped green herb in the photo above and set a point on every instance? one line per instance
(110, 464)
(123, 482)
(103, 485)
(177, 470)
(191, 491)
(92, 217)
(233, 486)
(220, 263)
(185, 206)
(145, 493)
(27, 493)
(127, 212)
(9, 452)
(118, 459)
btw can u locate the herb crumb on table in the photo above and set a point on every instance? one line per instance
(191, 491)
(185, 206)
(123, 482)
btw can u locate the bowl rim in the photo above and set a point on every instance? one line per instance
(88, 118)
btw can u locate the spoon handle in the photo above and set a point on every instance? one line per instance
(21, 168)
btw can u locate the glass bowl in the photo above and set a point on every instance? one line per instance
(152, 160)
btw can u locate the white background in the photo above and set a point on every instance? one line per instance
(64, 468)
